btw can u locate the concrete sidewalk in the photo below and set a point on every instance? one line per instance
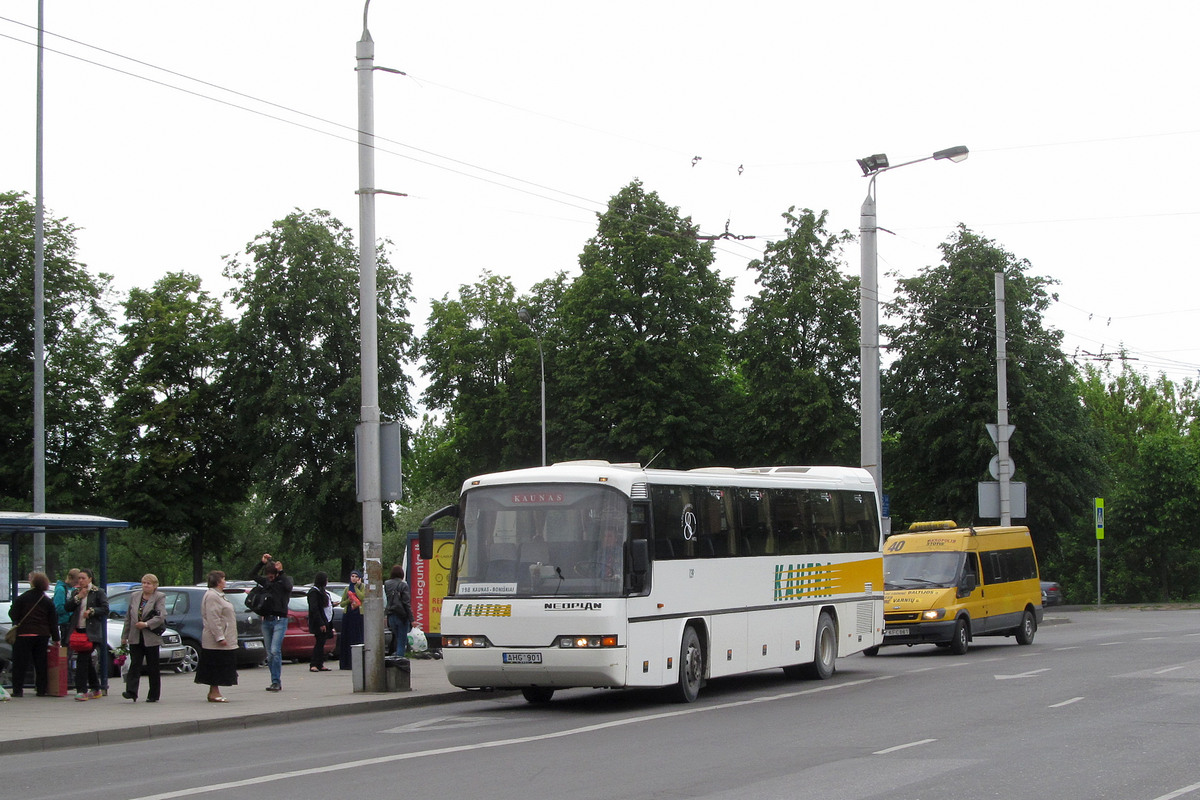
(33, 724)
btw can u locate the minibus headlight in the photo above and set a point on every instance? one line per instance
(933, 613)
(588, 641)
(464, 641)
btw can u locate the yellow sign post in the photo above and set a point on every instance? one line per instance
(1098, 507)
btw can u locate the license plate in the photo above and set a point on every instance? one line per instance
(522, 658)
(253, 644)
(895, 631)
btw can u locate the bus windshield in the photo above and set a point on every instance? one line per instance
(561, 540)
(921, 570)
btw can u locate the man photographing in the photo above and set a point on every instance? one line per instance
(278, 588)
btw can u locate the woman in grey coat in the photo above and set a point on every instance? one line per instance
(145, 620)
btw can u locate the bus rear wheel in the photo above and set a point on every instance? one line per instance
(691, 667)
(824, 662)
(537, 694)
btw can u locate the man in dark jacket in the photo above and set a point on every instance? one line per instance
(399, 609)
(274, 617)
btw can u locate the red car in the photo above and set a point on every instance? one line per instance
(297, 641)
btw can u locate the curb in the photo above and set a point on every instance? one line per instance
(40, 744)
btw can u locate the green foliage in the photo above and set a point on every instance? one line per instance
(294, 376)
(78, 330)
(484, 374)
(940, 393)
(642, 360)
(798, 351)
(1151, 549)
(175, 466)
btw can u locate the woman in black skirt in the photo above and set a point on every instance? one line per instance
(219, 641)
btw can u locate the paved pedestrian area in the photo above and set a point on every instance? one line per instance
(32, 724)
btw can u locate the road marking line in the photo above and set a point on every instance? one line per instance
(1169, 669)
(1066, 702)
(902, 747)
(1179, 792)
(441, 751)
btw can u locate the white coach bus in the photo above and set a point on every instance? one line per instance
(591, 574)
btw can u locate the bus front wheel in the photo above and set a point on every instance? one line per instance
(691, 667)
(962, 638)
(537, 694)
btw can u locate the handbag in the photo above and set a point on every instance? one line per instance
(79, 642)
(11, 635)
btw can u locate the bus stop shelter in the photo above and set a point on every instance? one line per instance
(17, 529)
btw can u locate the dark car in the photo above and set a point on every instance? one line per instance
(183, 614)
(1052, 594)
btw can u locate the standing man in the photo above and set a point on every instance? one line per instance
(399, 609)
(63, 588)
(274, 619)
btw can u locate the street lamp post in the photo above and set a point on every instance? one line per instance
(525, 316)
(871, 451)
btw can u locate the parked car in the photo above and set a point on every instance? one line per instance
(297, 639)
(171, 654)
(183, 614)
(1052, 594)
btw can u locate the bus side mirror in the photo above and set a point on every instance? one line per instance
(425, 542)
(967, 585)
(425, 531)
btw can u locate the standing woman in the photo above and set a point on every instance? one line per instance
(88, 606)
(142, 633)
(352, 618)
(219, 640)
(320, 621)
(36, 622)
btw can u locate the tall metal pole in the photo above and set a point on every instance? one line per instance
(374, 679)
(870, 453)
(1004, 463)
(39, 321)
(542, 358)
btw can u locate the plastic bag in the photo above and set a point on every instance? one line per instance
(417, 642)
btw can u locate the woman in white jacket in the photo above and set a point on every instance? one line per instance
(218, 641)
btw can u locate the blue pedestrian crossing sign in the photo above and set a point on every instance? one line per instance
(1099, 506)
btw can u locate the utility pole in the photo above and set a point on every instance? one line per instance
(1004, 463)
(39, 320)
(370, 490)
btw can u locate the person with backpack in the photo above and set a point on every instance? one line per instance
(320, 621)
(398, 599)
(274, 613)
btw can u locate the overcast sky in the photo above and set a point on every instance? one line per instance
(175, 133)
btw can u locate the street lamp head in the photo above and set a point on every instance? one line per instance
(955, 154)
(525, 316)
(875, 163)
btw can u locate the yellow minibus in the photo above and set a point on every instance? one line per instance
(947, 585)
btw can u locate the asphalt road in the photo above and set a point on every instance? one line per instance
(1105, 705)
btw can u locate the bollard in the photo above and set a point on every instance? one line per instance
(399, 674)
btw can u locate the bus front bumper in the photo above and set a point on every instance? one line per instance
(940, 632)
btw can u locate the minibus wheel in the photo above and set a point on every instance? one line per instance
(1027, 630)
(962, 638)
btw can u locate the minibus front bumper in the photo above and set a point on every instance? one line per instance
(939, 632)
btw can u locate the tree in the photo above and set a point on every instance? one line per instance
(940, 393)
(483, 369)
(643, 362)
(798, 350)
(78, 330)
(294, 375)
(1151, 550)
(176, 467)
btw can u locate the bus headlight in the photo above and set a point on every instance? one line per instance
(577, 642)
(933, 613)
(464, 641)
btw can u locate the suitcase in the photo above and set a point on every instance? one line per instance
(58, 670)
